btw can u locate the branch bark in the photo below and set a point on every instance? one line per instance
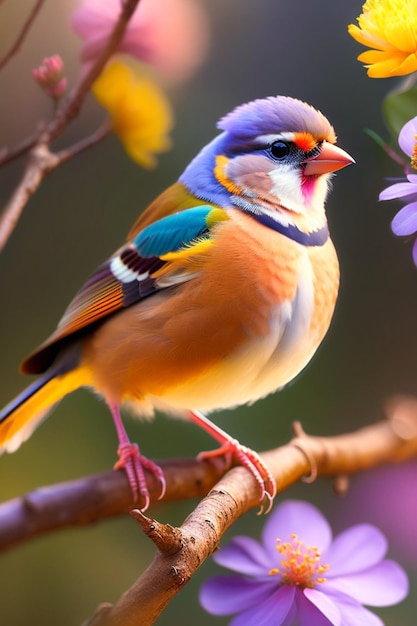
(180, 551)
(101, 496)
(175, 562)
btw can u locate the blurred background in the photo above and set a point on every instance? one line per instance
(82, 213)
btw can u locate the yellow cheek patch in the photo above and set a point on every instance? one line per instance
(219, 173)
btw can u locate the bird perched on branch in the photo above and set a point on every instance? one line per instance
(222, 294)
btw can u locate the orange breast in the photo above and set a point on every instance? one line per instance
(186, 333)
(326, 286)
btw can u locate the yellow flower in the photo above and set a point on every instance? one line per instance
(390, 28)
(140, 114)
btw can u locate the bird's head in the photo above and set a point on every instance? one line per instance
(275, 156)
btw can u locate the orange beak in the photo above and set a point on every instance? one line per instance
(330, 159)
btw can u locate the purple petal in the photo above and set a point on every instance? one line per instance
(274, 610)
(381, 585)
(406, 138)
(405, 222)
(301, 518)
(398, 190)
(415, 253)
(292, 615)
(246, 556)
(354, 550)
(325, 605)
(225, 595)
(412, 178)
(354, 614)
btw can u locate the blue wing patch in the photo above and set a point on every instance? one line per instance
(135, 263)
(127, 277)
(172, 232)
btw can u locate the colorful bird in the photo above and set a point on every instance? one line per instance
(222, 294)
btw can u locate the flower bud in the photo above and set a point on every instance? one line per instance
(49, 76)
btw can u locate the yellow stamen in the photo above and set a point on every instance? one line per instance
(414, 155)
(300, 564)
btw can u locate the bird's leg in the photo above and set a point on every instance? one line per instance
(133, 462)
(231, 448)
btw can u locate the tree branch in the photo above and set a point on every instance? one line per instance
(41, 163)
(108, 494)
(83, 501)
(22, 35)
(41, 160)
(73, 107)
(181, 551)
(85, 143)
(9, 154)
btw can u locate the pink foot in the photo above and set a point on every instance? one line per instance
(231, 449)
(134, 464)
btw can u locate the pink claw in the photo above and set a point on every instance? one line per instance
(134, 464)
(232, 449)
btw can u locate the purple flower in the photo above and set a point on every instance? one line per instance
(299, 575)
(405, 222)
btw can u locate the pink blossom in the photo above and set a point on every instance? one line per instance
(171, 35)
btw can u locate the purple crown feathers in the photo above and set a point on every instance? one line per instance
(273, 115)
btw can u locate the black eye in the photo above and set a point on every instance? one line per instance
(280, 149)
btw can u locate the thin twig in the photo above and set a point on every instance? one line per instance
(22, 35)
(38, 166)
(84, 144)
(10, 154)
(41, 162)
(72, 109)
